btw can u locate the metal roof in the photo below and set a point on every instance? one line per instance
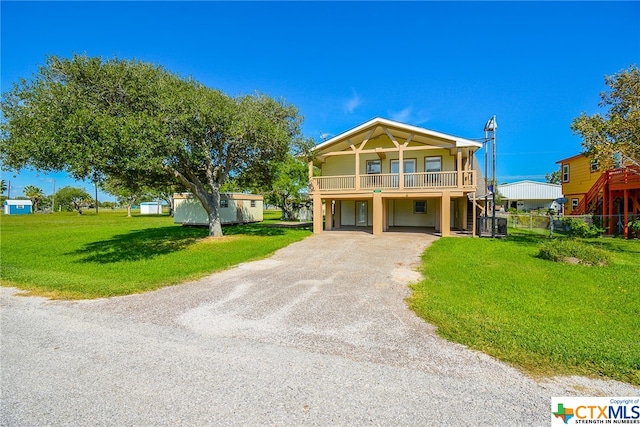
(530, 190)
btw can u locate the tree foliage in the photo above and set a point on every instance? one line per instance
(554, 177)
(289, 187)
(616, 135)
(34, 194)
(72, 199)
(142, 125)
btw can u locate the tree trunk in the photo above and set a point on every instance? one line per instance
(129, 210)
(215, 226)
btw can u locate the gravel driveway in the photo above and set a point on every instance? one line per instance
(318, 334)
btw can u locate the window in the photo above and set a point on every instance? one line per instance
(565, 173)
(419, 206)
(574, 203)
(224, 203)
(373, 167)
(433, 164)
(594, 166)
(253, 203)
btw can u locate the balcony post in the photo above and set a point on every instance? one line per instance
(401, 168)
(460, 183)
(357, 159)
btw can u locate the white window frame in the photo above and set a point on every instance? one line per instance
(438, 158)
(574, 203)
(419, 211)
(565, 173)
(370, 170)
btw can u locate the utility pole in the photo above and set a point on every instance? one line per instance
(490, 135)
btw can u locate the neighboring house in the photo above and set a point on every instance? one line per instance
(614, 194)
(577, 174)
(384, 174)
(17, 207)
(150, 208)
(235, 208)
(530, 195)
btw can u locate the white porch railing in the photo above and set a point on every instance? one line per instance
(422, 180)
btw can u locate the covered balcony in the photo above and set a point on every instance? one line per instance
(461, 180)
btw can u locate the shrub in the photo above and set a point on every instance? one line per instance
(580, 228)
(561, 250)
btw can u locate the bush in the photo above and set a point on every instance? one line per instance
(562, 250)
(580, 228)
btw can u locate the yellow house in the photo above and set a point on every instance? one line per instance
(578, 174)
(384, 174)
(612, 194)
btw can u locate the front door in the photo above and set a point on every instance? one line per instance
(361, 213)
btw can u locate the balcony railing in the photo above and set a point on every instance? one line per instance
(392, 181)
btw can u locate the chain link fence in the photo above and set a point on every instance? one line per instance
(562, 223)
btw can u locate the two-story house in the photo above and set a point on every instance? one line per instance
(613, 195)
(577, 174)
(384, 174)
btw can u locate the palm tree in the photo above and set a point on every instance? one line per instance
(3, 186)
(35, 194)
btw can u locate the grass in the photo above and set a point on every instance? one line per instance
(67, 256)
(543, 317)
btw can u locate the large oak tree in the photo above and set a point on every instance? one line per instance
(140, 124)
(614, 137)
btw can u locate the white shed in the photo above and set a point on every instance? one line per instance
(150, 208)
(530, 195)
(235, 208)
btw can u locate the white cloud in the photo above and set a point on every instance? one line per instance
(401, 116)
(352, 103)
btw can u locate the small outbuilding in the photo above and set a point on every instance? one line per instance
(235, 208)
(150, 208)
(530, 195)
(17, 207)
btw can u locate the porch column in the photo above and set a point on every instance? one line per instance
(317, 214)
(626, 213)
(378, 207)
(473, 212)
(385, 214)
(338, 214)
(445, 214)
(328, 215)
(463, 219)
(612, 223)
(604, 208)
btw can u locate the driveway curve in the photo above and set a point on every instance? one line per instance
(317, 334)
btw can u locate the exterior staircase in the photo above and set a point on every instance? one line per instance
(616, 179)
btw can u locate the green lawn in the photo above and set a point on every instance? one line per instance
(64, 255)
(543, 317)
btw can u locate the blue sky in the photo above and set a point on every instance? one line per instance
(445, 66)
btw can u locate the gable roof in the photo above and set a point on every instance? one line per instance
(378, 126)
